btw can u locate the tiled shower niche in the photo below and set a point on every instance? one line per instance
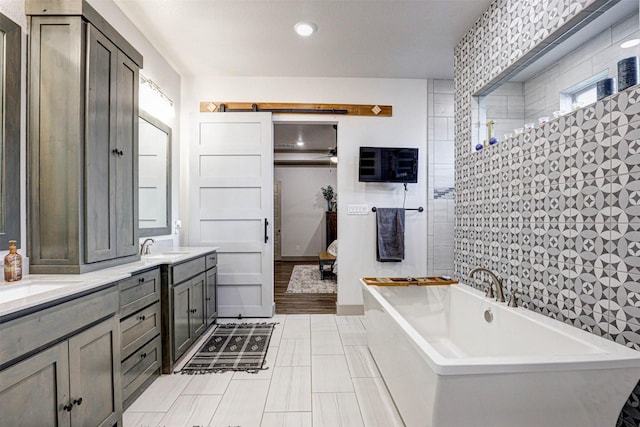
(556, 212)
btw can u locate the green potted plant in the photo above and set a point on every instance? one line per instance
(329, 195)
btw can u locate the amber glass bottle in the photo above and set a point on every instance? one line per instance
(12, 264)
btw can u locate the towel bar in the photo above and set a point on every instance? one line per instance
(420, 209)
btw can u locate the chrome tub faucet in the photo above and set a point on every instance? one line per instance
(496, 280)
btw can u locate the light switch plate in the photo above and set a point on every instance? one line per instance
(357, 209)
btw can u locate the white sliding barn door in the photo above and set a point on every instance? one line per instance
(231, 206)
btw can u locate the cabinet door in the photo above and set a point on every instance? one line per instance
(127, 162)
(199, 305)
(34, 391)
(54, 130)
(94, 380)
(212, 277)
(100, 157)
(181, 313)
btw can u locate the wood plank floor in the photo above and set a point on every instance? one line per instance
(298, 303)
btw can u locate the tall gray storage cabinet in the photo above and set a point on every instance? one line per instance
(83, 140)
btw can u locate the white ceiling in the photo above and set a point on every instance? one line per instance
(355, 38)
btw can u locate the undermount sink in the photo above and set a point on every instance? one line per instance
(14, 292)
(166, 255)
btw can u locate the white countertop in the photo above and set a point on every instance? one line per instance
(37, 289)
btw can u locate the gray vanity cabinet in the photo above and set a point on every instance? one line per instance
(83, 146)
(72, 383)
(188, 304)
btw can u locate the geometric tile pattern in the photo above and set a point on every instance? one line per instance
(555, 211)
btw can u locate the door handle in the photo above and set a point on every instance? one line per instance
(266, 235)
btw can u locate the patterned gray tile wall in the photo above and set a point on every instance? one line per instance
(555, 211)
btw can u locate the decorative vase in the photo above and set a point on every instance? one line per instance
(605, 87)
(627, 72)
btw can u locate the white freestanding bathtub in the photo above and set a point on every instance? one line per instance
(446, 366)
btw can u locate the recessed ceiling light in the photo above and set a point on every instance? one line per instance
(300, 143)
(630, 43)
(305, 29)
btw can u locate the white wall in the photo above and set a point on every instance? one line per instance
(303, 208)
(407, 127)
(441, 209)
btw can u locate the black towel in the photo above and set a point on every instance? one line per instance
(390, 234)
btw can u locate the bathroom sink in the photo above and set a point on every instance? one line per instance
(166, 255)
(14, 292)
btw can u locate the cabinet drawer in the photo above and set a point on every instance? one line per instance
(186, 270)
(139, 328)
(211, 260)
(140, 366)
(139, 291)
(35, 330)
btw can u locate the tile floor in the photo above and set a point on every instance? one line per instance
(320, 374)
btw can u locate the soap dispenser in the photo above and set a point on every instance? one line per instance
(12, 264)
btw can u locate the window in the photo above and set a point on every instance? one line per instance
(582, 93)
(584, 96)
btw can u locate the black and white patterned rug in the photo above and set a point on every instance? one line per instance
(305, 279)
(232, 347)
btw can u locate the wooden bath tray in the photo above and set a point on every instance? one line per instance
(402, 281)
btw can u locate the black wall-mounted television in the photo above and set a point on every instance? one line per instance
(388, 164)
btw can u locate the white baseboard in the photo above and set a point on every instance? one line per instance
(349, 310)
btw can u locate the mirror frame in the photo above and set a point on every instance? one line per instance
(10, 128)
(166, 230)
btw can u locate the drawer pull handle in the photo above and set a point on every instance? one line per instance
(208, 299)
(141, 280)
(143, 355)
(193, 310)
(68, 407)
(142, 317)
(78, 401)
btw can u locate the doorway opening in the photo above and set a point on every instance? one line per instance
(305, 164)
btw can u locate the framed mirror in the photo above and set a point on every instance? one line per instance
(154, 176)
(10, 102)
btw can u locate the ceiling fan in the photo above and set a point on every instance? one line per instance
(333, 151)
(332, 155)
